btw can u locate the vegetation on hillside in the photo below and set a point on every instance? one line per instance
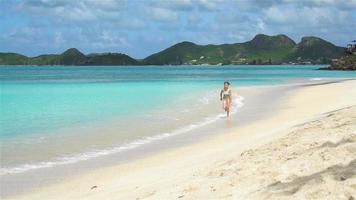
(69, 57)
(345, 63)
(262, 49)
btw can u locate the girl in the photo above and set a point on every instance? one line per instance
(225, 96)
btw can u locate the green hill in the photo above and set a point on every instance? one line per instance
(317, 50)
(71, 56)
(48, 59)
(13, 59)
(110, 59)
(176, 54)
(262, 49)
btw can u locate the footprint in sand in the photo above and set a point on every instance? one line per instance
(212, 188)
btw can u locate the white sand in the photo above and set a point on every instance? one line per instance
(298, 153)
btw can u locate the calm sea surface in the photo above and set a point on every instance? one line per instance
(45, 108)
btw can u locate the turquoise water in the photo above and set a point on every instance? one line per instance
(35, 99)
(38, 101)
(29, 108)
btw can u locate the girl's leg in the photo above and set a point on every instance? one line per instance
(225, 104)
(228, 107)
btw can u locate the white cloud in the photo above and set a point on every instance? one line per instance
(208, 4)
(278, 15)
(258, 4)
(260, 24)
(163, 14)
(58, 39)
(133, 23)
(103, 25)
(343, 4)
(107, 39)
(188, 5)
(74, 10)
(307, 16)
(26, 35)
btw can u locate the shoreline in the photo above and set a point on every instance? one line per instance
(202, 65)
(197, 134)
(250, 91)
(203, 145)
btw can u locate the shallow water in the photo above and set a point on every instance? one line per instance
(59, 115)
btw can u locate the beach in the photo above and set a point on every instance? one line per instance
(193, 99)
(303, 150)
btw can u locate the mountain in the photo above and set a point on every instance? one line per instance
(175, 55)
(262, 49)
(266, 42)
(314, 49)
(111, 59)
(71, 56)
(12, 59)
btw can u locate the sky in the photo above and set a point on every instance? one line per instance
(142, 27)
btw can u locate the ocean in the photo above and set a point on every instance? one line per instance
(55, 115)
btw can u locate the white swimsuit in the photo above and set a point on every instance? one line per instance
(226, 93)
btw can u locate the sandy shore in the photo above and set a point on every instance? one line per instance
(304, 151)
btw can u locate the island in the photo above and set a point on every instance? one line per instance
(261, 50)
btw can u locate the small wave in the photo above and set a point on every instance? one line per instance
(237, 103)
(316, 79)
(204, 100)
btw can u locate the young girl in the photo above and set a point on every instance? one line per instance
(225, 96)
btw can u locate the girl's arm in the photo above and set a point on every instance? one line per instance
(221, 91)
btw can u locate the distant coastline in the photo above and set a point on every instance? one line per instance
(190, 65)
(261, 50)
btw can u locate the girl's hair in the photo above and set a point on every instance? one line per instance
(226, 82)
